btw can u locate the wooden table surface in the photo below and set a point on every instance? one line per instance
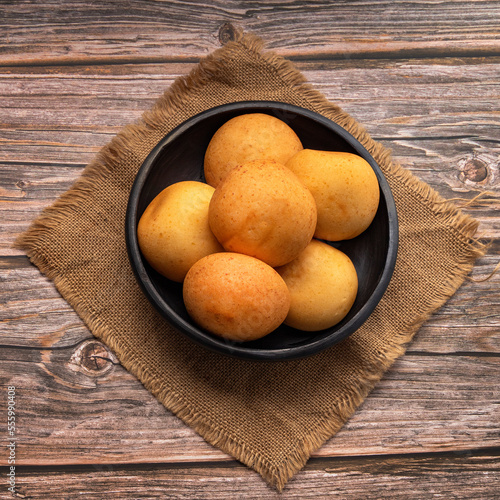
(422, 76)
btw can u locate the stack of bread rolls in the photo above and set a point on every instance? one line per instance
(249, 244)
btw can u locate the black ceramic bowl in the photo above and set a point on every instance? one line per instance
(179, 156)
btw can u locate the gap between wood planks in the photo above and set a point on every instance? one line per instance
(390, 54)
(313, 462)
(465, 354)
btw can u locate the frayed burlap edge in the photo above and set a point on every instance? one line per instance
(120, 149)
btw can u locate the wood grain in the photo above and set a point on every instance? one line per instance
(435, 136)
(422, 77)
(414, 477)
(74, 32)
(34, 314)
(423, 403)
(69, 405)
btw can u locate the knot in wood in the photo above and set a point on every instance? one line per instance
(475, 170)
(93, 358)
(227, 33)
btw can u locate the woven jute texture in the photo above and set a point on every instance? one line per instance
(270, 416)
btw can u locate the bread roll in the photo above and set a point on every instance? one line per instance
(345, 189)
(263, 210)
(323, 285)
(173, 232)
(247, 137)
(235, 296)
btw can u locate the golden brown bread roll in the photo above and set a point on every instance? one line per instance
(263, 210)
(173, 232)
(345, 189)
(323, 285)
(235, 296)
(252, 136)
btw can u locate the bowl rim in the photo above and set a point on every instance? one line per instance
(218, 343)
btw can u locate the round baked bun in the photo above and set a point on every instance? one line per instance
(173, 232)
(345, 188)
(235, 296)
(263, 210)
(323, 285)
(247, 137)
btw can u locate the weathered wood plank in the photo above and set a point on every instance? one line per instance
(76, 405)
(448, 475)
(429, 87)
(26, 190)
(56, 123)
(73, 31)
(57, 119)
(34, 314)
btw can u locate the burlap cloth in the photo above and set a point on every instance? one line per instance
(270, 416)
